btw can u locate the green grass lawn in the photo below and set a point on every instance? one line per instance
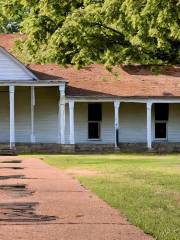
(144, 188)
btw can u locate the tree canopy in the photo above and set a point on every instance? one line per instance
(11, 15)
(110, 32)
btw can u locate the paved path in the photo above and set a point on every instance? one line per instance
(39, 202)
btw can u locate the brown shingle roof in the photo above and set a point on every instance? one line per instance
(96, 81)
(125, 81)
(7, 40)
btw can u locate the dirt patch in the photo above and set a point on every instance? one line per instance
(12, 177)
(13, 168)
(17, 190)
(11, 161)
(22, 212)
(82, 172)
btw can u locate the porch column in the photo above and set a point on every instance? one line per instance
(71, 121)
(12, 126)
(149, 125)
(61, 124)
(32, 114)
(116, 122)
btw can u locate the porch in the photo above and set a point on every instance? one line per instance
(40, 118)
(31, 113)
(129, 125)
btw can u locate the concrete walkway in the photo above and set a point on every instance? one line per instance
(39, 202)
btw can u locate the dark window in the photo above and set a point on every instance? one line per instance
(161, 112)
(94, 130)
(95, 112)
(94, 120)
(160, 130)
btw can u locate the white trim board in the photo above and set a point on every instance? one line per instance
(125, 99)
(39, 83)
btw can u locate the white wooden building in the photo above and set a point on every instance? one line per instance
(51, 108)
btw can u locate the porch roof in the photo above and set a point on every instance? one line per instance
(95, 81)
(123, 81)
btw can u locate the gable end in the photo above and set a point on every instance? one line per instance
(12, 69)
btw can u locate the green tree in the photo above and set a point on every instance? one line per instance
(111, 32)
(11, 16)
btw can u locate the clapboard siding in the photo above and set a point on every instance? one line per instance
(132, 123)
(10, 70)
(81, 123)
(67, 124)
(108, 130)
(46, 115)
(22, 114)
(81, 119)
(174, 123)
(4, 115)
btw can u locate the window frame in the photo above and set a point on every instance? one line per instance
(158, 105)
(161, 139)
(99, 122)
(96, 120)
(99, 131)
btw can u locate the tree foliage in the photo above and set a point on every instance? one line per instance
(111, 32)
(11, 15)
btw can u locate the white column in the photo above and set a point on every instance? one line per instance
(32, 114)
(71, 122)
(149, 125)
(61, 115)
(12, 126)
(116, 122)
